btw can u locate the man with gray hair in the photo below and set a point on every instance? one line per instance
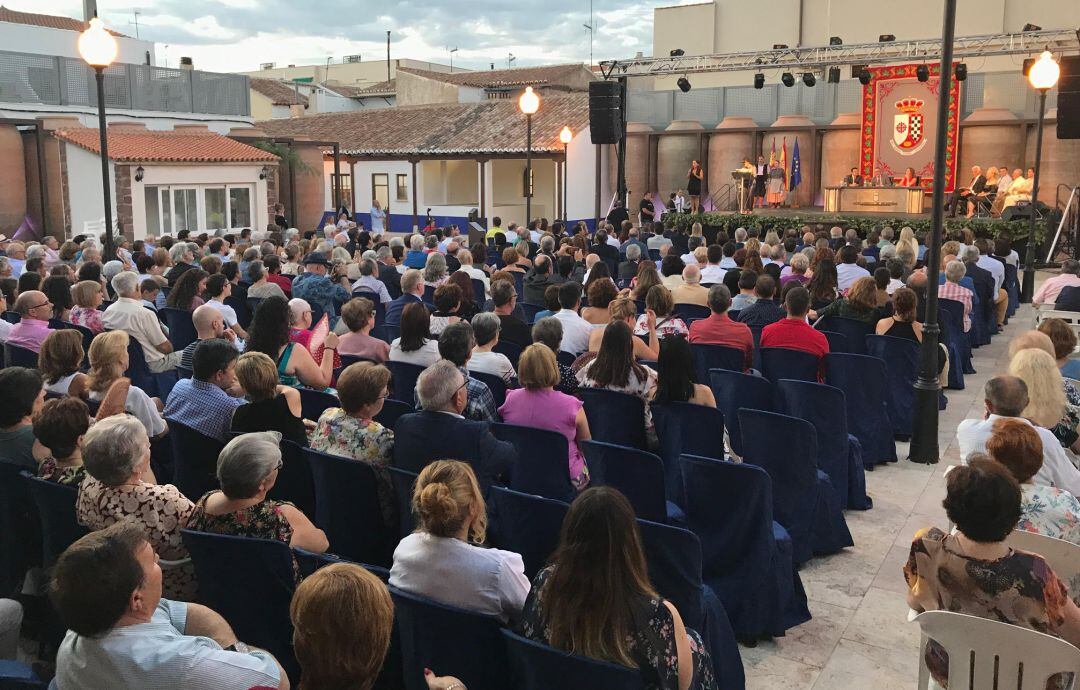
(719, 329)
(128, 314)
(952, 289)
(1068, 276)
(629, 268)
(369, 282)
(440, 432)
(182, 255)
(692, 243)
(465, 258)
(415, 257)
(690, 291)
(456, 344)
(412, 290)
(887, 235)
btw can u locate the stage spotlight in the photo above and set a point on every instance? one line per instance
(684, 84)
(1031, 27)
(961, 72)
(809, 79)
(836, 41)
(788, 79)
(779, 46)
(759, 81)
(886, 38)
(834, 75)
(922, 73)
(864, 76)
(678, 52)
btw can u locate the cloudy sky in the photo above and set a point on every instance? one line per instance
(238, 35)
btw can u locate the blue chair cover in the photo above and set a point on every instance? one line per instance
(403, 379)
(11, 317)
(392, 409)
(985, 312)
(253, 304)
(615, 417)
(1012, 288)
(20, 531)
(194, 459)
(864, 382)
(854, 330)
(715, 357)
(181, 330)
(313, 403)
(429, 294)
(901, 359)
(838, 342)
(347, 508)
(15, 675)
(386, 332)
(456, 642)
(781, 363)
(479, 294)
(402, 481)
(159, 385)
(746, 557)
(528, 525)
(294, 481)
(755, 331)
(686, 428)
(543, 461)
(735, 391)
(638, 474)
(250, 582)
(804, 499)
(535, 666)
(565, 358)
(15, 356)
(826, 408)
(951, 318)
(347, 360)
(56, 508)
(512, 351)
(86, 333)
(691, 311)
(184, 373)
(243, 311)
(673, 556)
(495, 384)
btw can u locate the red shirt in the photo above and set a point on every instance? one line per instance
(282, 282)
(795, 334)
(719, 329)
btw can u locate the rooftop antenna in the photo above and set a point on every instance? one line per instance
(589, 28)
(509, 59)
(136, 22)
(451, 51)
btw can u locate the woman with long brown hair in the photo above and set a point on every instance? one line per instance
(615, 368)
(595, 599)
(859, 303)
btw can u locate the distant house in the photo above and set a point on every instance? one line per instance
(273, 99)
(423, 87)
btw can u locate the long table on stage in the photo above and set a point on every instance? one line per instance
(874, 199)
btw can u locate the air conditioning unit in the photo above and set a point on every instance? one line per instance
(351, 59)
(266, 65)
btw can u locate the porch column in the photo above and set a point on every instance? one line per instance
(415, 226)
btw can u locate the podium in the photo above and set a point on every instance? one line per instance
(743, 181)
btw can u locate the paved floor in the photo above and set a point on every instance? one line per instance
(859, 637)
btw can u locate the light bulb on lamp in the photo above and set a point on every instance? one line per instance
(566, 136)
(1045, 72)
(529, 102)
(97, 46)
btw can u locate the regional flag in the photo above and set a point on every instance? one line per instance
(772, 154)
(783, 159)
(796, 168)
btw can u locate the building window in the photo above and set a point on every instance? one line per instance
(380, 188)
(346, 188)
(402, 187)
(197, 208)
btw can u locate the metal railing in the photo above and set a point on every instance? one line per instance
(53, 80)
(724, 199)
(1066, 239)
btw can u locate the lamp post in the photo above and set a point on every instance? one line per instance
(98, 49)
(1043, 75)
(565, 136)
(528, 103)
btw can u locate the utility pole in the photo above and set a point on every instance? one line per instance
(509, 59)
(136, 22)
(387, 57)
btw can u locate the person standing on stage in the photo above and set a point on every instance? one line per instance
(646, 210)
(693, 186)
(777, 191)
(761, 176)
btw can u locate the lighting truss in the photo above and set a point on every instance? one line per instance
(1057, 41)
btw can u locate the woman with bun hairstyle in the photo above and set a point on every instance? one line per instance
(444, 560)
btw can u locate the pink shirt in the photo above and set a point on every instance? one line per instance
(363, 345)
(552, 410)
(1050, 289)
(29, 333)
(88, 318)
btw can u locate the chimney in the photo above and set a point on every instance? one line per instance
(191, 129)
(128, 126)
(187, 63)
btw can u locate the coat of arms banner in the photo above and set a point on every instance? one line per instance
(899, 124)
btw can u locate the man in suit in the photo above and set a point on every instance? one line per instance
(412, 290)
(629, 268)
(440, 432)
(985, 286)
(959, 197)
(853, 179)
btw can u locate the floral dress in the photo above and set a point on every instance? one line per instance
(368, 441)
(160, 509)
(1065, 430)
(261, 521)
(88, 318)
(1049, 511)
(651, 646)
(68, 476)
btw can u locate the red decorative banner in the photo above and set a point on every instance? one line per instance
(899, 124)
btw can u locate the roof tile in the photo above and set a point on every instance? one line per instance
(49, 21)
(167, 147)
(491, 79)
(279, 92)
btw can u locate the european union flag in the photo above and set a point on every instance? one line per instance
(796, 168)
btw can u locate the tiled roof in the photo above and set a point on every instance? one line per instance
(167, 147)
(492, 126)
(382, 88)
(49, 21)
(279, 92)
(493, 79)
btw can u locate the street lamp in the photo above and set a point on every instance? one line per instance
(528, 103)
(98, 49)
(565, 136)
(1043, 75)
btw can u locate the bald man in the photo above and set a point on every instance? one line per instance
(691, 291)
(35, 310)
(209, 324)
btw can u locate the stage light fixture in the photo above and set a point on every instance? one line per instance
(1031, 27)
(678, 52)
(779, 46)
(788, 79)
(961, 71)
(864, 76)
(834, 75)
(809, 79)
(759, 81)
(684, 84)
(886, 38)
(922, 73)
(836, 41)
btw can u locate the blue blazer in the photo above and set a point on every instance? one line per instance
(423, 437)
(395, 307)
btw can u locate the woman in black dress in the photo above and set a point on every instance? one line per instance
(693, 186)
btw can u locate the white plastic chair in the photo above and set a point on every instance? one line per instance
(1070, 317)
(980, 649)
(1063, 556)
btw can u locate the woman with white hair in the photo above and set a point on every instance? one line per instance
(247, 470)
(122, 487)
(435, 270)
(300, 322)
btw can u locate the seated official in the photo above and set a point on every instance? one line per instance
(974, 572)
(487, 331)
(1044, 510)
(128, 314)
(23, 396)
(247, 470)
(719, 329)
(270, 406)
(270, 334)
(108, 362)
(122, 487)
(60, 361)
(35, 310)
(202, 402)
(441, 432)
(107, 589)
(793, 332)
(444, 560)
(415, 345)
(675, 377)
(359, 316)
(598, 573)
(59, 427)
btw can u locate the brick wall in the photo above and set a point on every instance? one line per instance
(122, 192)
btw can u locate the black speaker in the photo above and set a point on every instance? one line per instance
(1068, 106)
(605, 112)
(1022, 211)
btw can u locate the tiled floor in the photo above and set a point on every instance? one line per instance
(859, 637)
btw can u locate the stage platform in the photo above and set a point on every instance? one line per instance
(812, 213)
